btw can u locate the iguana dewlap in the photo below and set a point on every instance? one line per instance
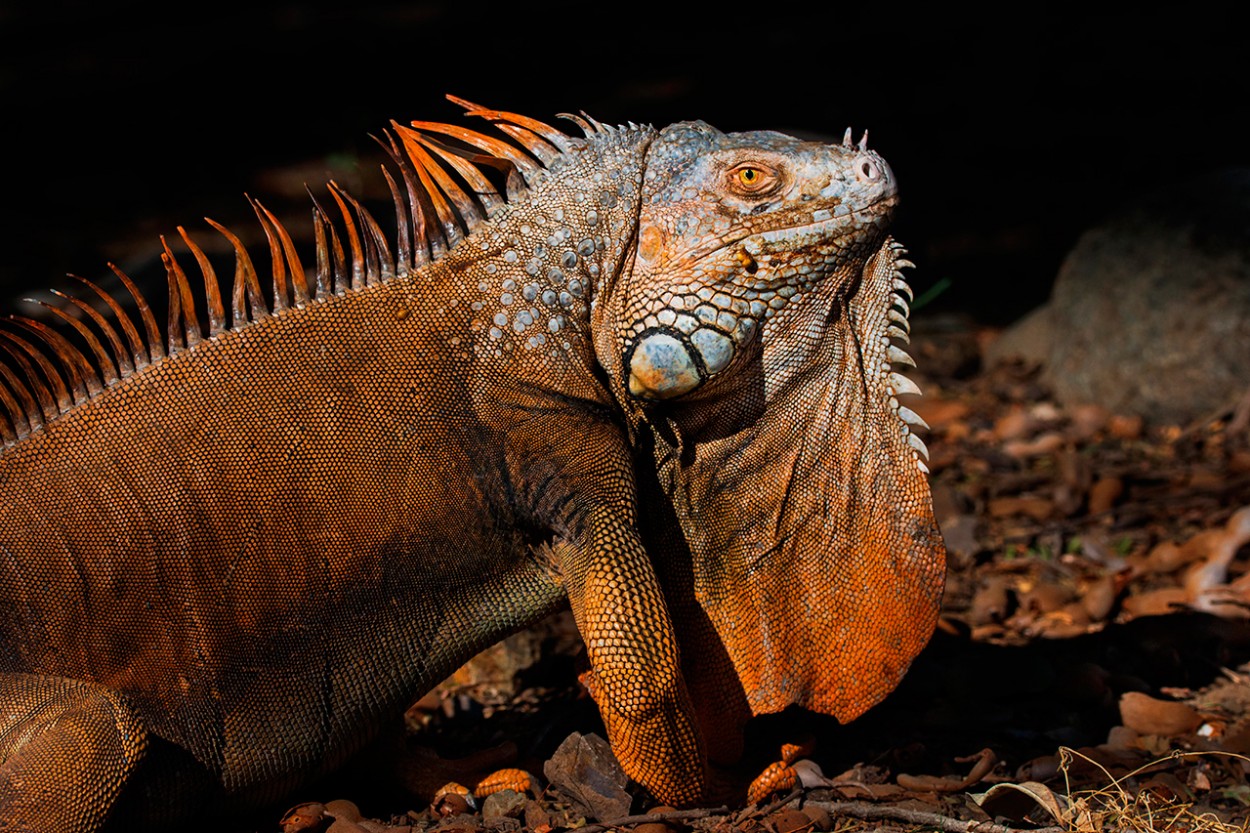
(652, 378)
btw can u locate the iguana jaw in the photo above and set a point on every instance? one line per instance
(699, 328)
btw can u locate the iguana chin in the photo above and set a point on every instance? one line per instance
(652, 378)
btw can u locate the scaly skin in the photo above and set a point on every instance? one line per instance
(810, 567)
(223, 572)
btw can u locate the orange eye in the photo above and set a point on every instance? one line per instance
(751, 180)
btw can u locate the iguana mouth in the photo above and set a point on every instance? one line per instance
(832, 217)
(780, 233)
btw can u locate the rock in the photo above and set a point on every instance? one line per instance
(501, 805)
(789, 821)
(1150, 313)
(585, 770)
(1029, 340)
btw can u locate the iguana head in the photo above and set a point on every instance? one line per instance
(731, 229)
(753, 335)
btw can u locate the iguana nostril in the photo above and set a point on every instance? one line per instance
(871, 169)
(661, 367)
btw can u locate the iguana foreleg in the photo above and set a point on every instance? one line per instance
(636, 678)
(67, 748)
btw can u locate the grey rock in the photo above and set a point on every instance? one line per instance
(505, 804)
(1150, 314)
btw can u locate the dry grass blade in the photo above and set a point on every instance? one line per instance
(1113, 807)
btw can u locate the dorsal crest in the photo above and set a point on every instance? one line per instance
(440, 189)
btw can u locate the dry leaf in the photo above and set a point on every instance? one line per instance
(1154, 602)
(1125, 427)
(1150, 716)
(1104, 494)
(1037, 508)
(1047, 443)
(1019, 802)
(1099, 597)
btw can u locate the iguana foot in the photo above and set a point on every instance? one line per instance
(781, 776)
(66, 749)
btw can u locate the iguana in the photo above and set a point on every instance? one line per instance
(650, 375)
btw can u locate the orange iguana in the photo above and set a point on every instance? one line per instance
(652, 378)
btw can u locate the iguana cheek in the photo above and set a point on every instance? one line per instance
(650, 243)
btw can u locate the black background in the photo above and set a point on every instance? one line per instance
(1011, 131)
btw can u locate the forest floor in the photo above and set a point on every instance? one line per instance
(1090, 671)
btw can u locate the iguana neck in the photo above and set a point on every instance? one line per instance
(819, 467)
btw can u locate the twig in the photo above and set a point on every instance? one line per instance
(872, 812)
(749, 810)
(673, 815)
(1235, 408)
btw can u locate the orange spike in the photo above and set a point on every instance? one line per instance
(422, 239)
(120, 355)
(137, 356)
(244, 279)
(470, 214)
(20, 427)
(594, 123)
(324, 278)
(277, 262)
(178, 278)
(53, 397)
(46, 409)
(173, 330)
(155, 350)
(299, 283)
(422, 162)
(212, 292)
(83, 382)
(353, 239)
(102, 357)
(28, 410)
(546, 131)
(339, 262)
(530, 142)
(496, 148)
(581, 122)
(482, 187)
(382, 252)
(373, 260)
(403, 251)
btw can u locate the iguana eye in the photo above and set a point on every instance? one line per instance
(752, 179)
